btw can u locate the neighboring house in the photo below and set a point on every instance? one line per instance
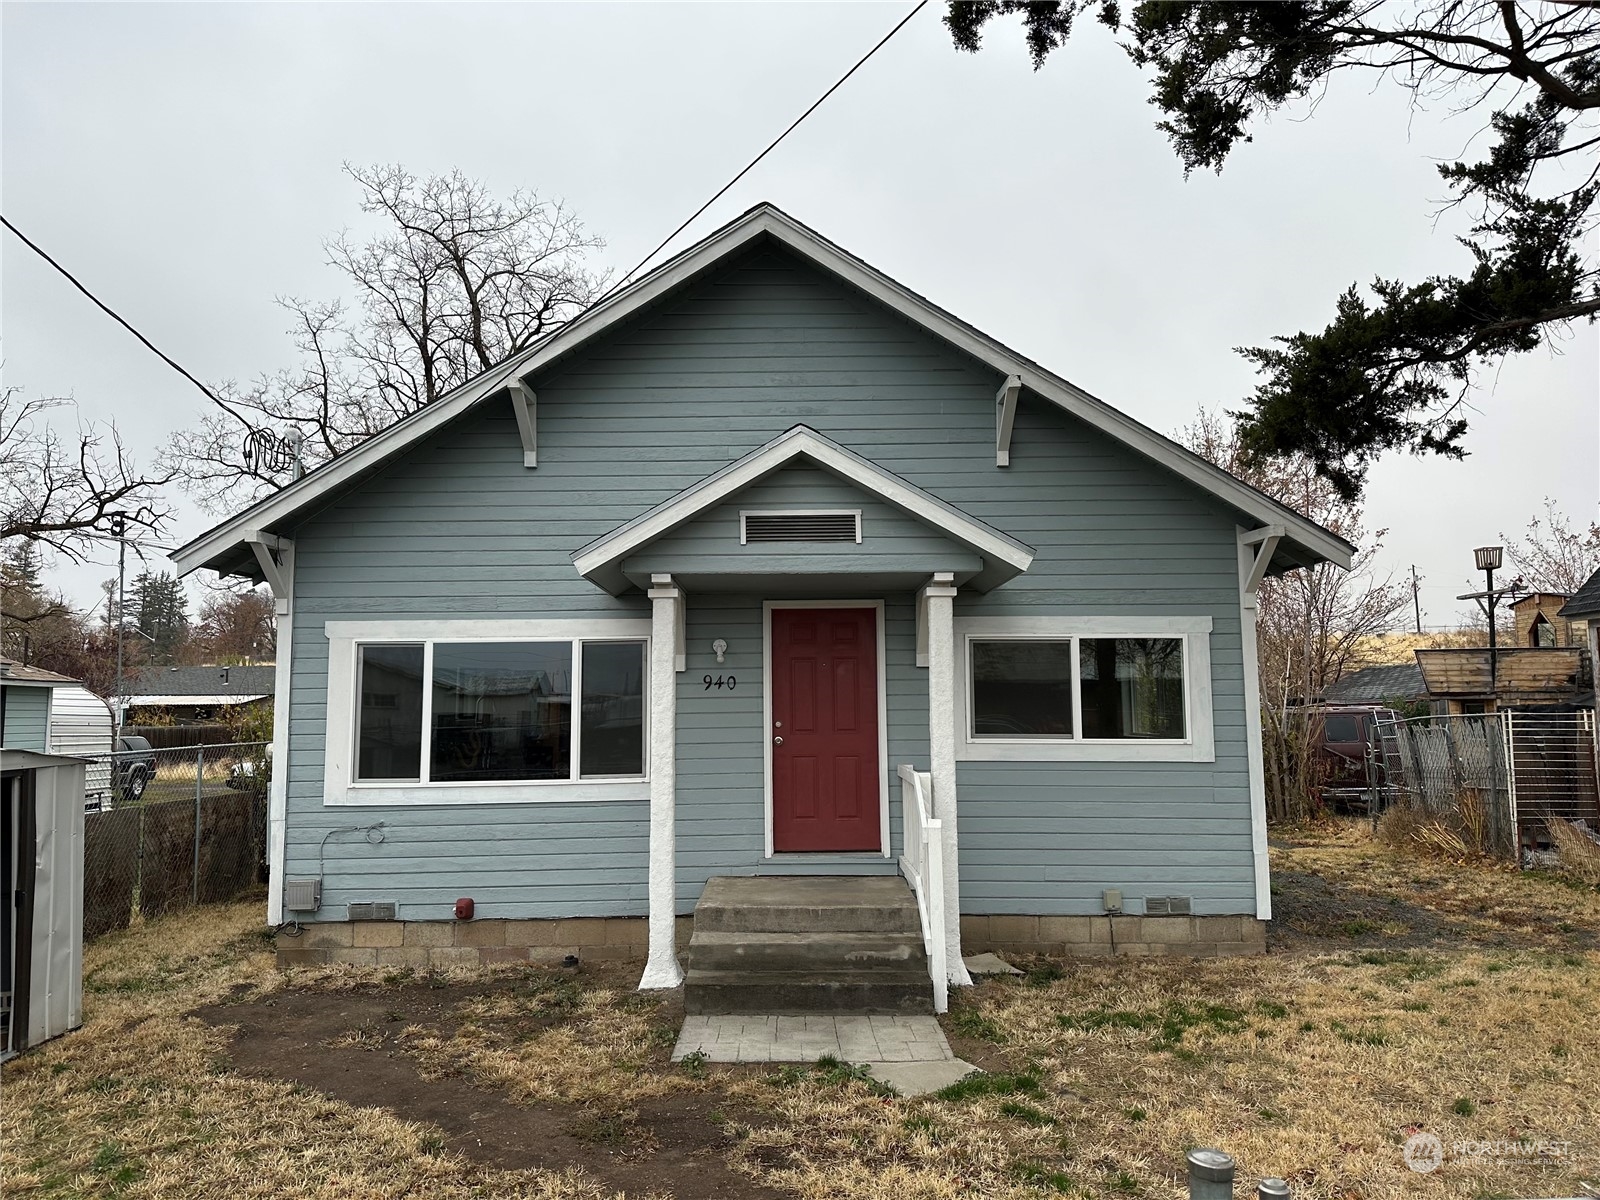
(193, 694)
(26, 695)
(1547, 665)
(1582, 609)
(676, 592)
(1539, 623)
(1377, 686)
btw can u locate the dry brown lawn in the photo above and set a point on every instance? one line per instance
(1402, 995)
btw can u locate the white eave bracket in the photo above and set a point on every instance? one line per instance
(526, 406)
(1005, 415)
(275, 557)
(1258, 546)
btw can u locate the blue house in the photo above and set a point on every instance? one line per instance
(765, 567)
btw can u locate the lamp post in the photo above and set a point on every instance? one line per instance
(1488, 559)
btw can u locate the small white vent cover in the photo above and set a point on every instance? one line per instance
(797, 525)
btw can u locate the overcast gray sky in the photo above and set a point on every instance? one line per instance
(184, 160)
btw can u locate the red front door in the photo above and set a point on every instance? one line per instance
(825, 729)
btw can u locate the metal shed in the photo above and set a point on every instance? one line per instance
(41, 864)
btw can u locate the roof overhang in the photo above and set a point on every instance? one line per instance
(219, 701)
(996, 557)
(222, 547)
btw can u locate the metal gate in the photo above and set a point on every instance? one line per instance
(1552, 769)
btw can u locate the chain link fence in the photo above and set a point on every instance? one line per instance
(1492, 782)
(166, 829)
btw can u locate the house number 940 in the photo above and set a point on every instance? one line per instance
(720, 681)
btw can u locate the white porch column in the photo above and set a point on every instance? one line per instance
(661, 969)
(1255, 553)
(938, 602)
(275, 556)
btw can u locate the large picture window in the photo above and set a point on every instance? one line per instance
(477, 712)
(1089, 688)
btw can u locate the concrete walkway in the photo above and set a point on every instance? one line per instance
(908, 1053)
(854, 1038)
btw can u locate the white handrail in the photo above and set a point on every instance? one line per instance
(922, 863)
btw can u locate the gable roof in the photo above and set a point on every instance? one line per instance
(11, 671)
(1585, 602)
(1004, 557)
(222, 548)
(204, 683)
(1376, 685)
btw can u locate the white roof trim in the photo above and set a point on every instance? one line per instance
(601, 560)
(216, 701)
(762, 220)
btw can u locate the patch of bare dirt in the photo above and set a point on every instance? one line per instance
(345, 1044)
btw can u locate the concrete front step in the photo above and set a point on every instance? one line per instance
(807, 904)
(806, 992)
(825, 951)
(807, 944)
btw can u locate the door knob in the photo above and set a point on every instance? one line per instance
(777, 741)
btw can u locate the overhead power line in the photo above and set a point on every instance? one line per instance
(722, 191)
(121, 320)
(771, 146)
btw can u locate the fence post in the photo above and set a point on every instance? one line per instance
(1272, 1189)
(1210, 1175)
(199, 784)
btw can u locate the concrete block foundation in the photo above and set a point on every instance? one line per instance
(1100, 937)
(423, 944)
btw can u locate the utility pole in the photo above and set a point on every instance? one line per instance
(1416, 602)
(119, 528)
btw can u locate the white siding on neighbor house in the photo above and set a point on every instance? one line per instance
(459, 528)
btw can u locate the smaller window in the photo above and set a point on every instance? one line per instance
(1022, 689)
(389, 726)
(1132, 687)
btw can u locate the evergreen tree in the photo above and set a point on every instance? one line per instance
(160, 612)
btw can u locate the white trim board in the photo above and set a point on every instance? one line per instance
(766, 725)
(601, 561)
(1199, 717)
(341, 788)
(762, 221)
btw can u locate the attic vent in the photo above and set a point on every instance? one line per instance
(798, 526)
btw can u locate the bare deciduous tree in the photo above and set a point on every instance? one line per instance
(1553, 556)
(1313, 622)
(70, 493)
(456, 282)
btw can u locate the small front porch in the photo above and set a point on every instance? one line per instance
(819, 545)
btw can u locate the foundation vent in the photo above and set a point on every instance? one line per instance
(1166, 906)
(799, 526)
(372, 910)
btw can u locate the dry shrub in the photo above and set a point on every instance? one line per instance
(1579, 853)
(1404, 828)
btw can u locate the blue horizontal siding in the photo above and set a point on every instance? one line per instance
(459, 528)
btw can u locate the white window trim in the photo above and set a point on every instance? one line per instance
(1199, 746)
(883, 726)
(746, 513)
(345, 638)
